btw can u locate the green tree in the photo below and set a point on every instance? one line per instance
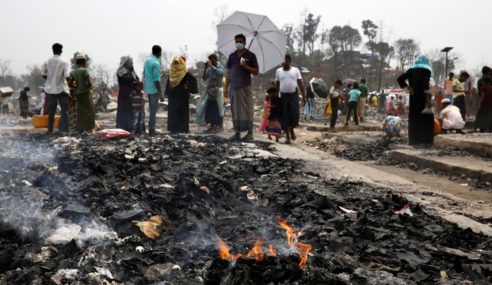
(385, 50)
(437, 61)
(288, 31)
(33, 78)
(369, 29)
(324, 38)
(343, 42)
(352, 38)
(311, 28)
(335, 40)
(102, 78)
(5, 69)
(306, 34)
(7, 77)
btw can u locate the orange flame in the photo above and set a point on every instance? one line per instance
(292, 236)
(304, 249)
(289, 231)
(272, 251)
(257, 251)
(224, 251)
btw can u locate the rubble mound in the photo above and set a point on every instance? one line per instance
(365, 152)
(151, 211)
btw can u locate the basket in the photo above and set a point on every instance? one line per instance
(41, 121)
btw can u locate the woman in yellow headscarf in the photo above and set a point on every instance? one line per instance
(178, 88)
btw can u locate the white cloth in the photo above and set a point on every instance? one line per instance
(451, 118)
(288, 79)
(335, 93)
(125, 63)
(311, 85)
(56, 70)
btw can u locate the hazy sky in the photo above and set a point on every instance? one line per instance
(108, 29)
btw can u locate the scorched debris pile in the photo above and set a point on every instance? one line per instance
(142, 211)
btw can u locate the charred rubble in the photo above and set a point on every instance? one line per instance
(379, 150)
(151, 211)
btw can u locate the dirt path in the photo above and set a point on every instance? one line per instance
(462, 205)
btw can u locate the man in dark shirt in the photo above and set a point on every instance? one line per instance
(241, 64)
(361, 105)
(24, 102)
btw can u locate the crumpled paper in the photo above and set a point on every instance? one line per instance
(152, 227)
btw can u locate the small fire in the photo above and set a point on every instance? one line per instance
(257, 252)
(289, 231)
(304, 249)
(292, 240)
(224, 250)
(272, 250)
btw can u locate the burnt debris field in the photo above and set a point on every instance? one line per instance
(202, 210)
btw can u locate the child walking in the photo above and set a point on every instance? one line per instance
(353, 98)
(137, 105)
(266, 112)
(273, 125)
(212, 115)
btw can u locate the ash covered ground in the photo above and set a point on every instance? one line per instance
(379, 151)
(71, 208)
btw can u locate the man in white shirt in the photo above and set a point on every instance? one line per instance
(451, 117)
(289, 81)
(336, 93)
(56, 72)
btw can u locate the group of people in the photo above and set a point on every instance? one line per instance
(130, 114)
(452, 117)
(71, 88)
(63, 84)
(350, 99)
(281, 106)
(235, 83)
(455, 94)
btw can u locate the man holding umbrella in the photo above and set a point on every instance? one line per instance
(241, 64)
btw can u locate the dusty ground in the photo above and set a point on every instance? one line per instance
(464, 205)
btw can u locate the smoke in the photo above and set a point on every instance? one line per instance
(9, 122)
(25, 213)
(29, 151)
(30, 218)
(28, 210)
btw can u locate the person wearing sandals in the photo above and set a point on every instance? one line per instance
(241, 64)
(289, 81)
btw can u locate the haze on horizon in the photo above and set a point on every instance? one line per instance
(107, 30)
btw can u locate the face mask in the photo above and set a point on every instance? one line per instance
(239, 45)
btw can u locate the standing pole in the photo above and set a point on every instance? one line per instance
(446, 68)
(446, 50)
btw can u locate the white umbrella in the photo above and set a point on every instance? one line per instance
(262, 38)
